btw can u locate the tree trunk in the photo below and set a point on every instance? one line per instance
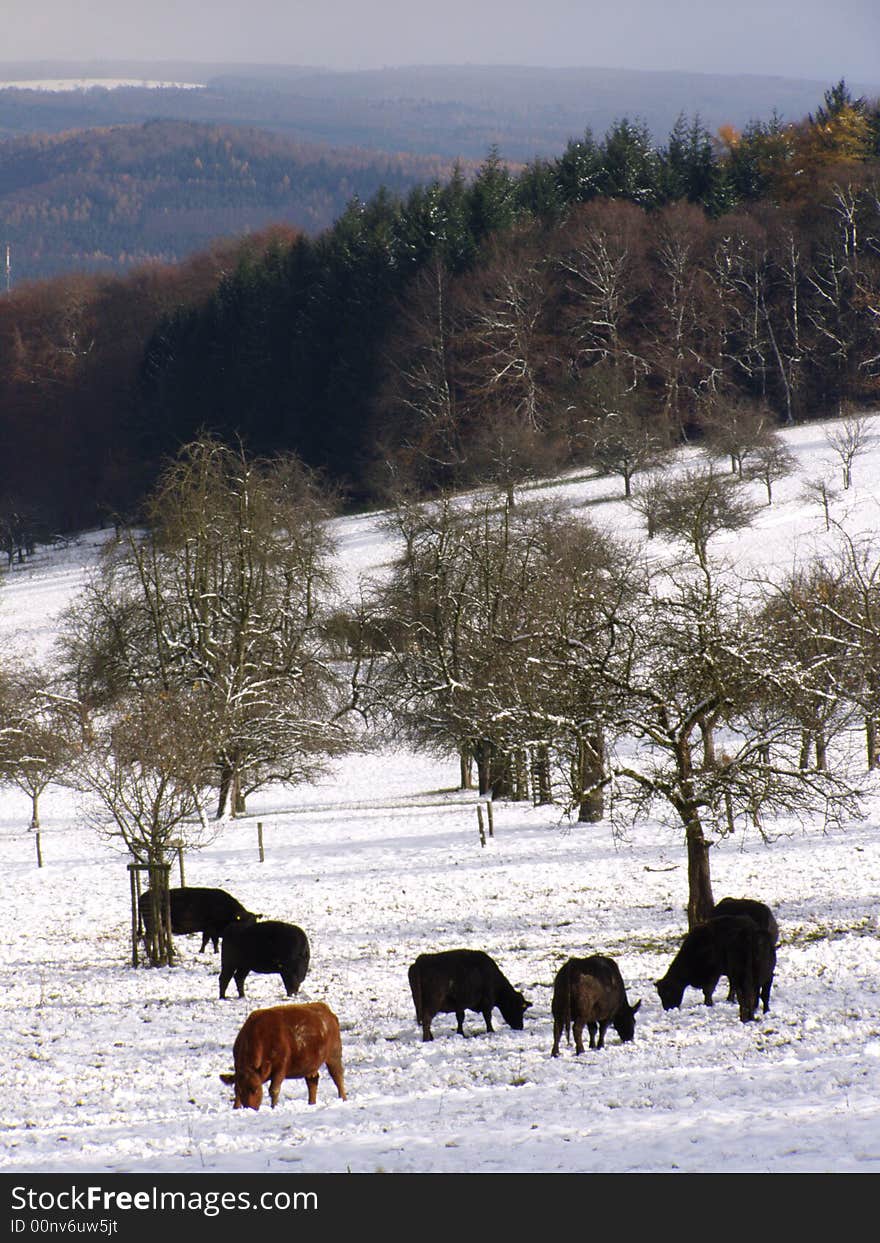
(520, 776)
(700, 899)
(501, 774)
(806, 744)
(542, 791)
(239, 807)
(466, 769)
(225, 786)
(590, 769)
(821, 752)
(871, 741)
(158, 946)
(482, 754)
(707, 733)
(35, 809)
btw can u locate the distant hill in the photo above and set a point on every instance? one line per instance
(115, 197)
(445, 110)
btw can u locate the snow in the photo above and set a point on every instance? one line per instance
(89, 84)
(107, 1068)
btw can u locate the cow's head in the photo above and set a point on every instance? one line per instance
(248, 1090)
(625, 1021)
(670, 993)
(513, 1010)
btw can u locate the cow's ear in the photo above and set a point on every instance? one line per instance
(636, 1006)
(527, 1005)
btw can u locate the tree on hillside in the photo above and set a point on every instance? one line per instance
(736, 429)
(688, 658)
(41, 733)
(418, 418)
(849, 439)
(222, 596)
(147, 771)
(475, 616)
(696, 505)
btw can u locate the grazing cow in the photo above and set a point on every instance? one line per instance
(207, 911)
(458, 980)
(731, 945)
(265, 948)
(285, 1042)
(591, 991)
(757, 911)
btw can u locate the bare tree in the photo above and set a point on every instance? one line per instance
(849, 439)
(737, 429)
(820, 489)
(145, 776)
(222, 595)
(41, 733)
(770, 463)
(688, 656)
(696, 505)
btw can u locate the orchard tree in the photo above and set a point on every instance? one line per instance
(687, 657)
(145, 775)
(222, 595)
(41, 733)
(696, 505)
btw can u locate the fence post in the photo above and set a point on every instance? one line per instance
(491, 816)
(135, 917)
(480, 824)
(39, 850)
(179, 846)
(260, 840)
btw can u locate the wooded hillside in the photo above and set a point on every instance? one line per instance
(113, 198)
(589, 309)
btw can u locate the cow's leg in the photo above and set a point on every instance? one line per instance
(765, 995)
(578, 1036)
(557, 1032)
(288, 979)
(747, 996)
(709, 989)
(240, 976)
(603, 1028)
(459, 1018)
(487, 1015)
(225, 977)
(591, 1028)
(426, 1027)
(275, 1087)
(205, 939)
(312, 1084)
(731, 992)
(334, 1066)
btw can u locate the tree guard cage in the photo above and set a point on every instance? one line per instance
(158, 945)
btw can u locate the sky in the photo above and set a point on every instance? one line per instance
(792, 38)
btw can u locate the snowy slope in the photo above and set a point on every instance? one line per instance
(107, 1068)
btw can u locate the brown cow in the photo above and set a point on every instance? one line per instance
(285, 1042)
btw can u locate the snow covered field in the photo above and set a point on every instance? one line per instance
(107, 1068)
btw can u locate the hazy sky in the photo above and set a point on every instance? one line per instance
(822, 39)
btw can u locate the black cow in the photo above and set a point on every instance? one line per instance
(757, 911)
(266, 948)
(458, 980)
(591, 991)
(207, 911)
(731, 945)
